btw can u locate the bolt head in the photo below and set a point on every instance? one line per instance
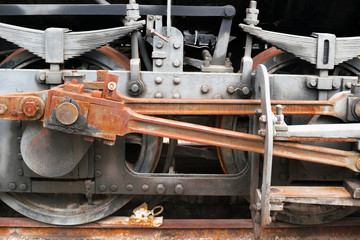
(3, 108)
(98, 173)
(176, 80)
(12, 186)
(158, 80)
(42, 77)
(177, 95)
(23, 187)
(204, 89)
(177, 45)
(348, 85)
(245, 90)
(129, 187)
(98, 157)
(231, 89)
(30, 108)
(160, 189)
(113, 188)
(159, 44)
(102, 188)
(20, 172)
(176, 63)
(158, 95)
(312, 82)
(151, 17)
(179, 189)
(159, 62)
(145, 187)
(111, 86)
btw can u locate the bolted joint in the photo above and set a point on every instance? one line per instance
(160, 188)
(3, 108)
(135, 88)
(179, 189)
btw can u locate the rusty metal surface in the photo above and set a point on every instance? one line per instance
(111, 228)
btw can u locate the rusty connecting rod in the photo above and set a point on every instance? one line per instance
(107, 114)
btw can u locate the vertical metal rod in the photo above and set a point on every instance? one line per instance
(134, 45)
(143, 52)
(168, 18)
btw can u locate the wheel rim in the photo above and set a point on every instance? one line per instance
(72, 209)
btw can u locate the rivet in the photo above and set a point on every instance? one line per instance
(12, 186)
(113, 188)
(98, 173)
(159, 44)
(111, 86)
(179, 189)
(158, 17)
(151, 17)
(160, 189)
(176, 63)
(102, 188)
(158, 80)
(98, 157)
(177, 95)
(145, 187)
(3, 108)
(129, 187)
(159, 62)
(19, 156)
(20, 172)
(176, 45)
(204, 89)
(158, 95)
(23, 187)
(176, 80)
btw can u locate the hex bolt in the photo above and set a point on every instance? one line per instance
(159, 62)
(129, 187)
(20, 172)
(23, 187)
(67, 113)
(179, 189)
(336, 83)
(158, 80)
(113, 187)
(204, 89)
(98, 173)
(158, 95)
(160, 189)
(111, 86)
(176, 95)
(3, 108)
(230, 89)
(145, 187)
(159, 44)
(12, 186)
(177, 45)
(98, 157)
(176, 80)
(176, 63)
(102, 188)
(30, 108)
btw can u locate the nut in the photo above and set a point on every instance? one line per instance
(231, 89)
(30, 108)
(179, 189)
(160, 189)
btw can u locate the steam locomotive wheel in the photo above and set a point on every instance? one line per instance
(277, 61)
(71, 209)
